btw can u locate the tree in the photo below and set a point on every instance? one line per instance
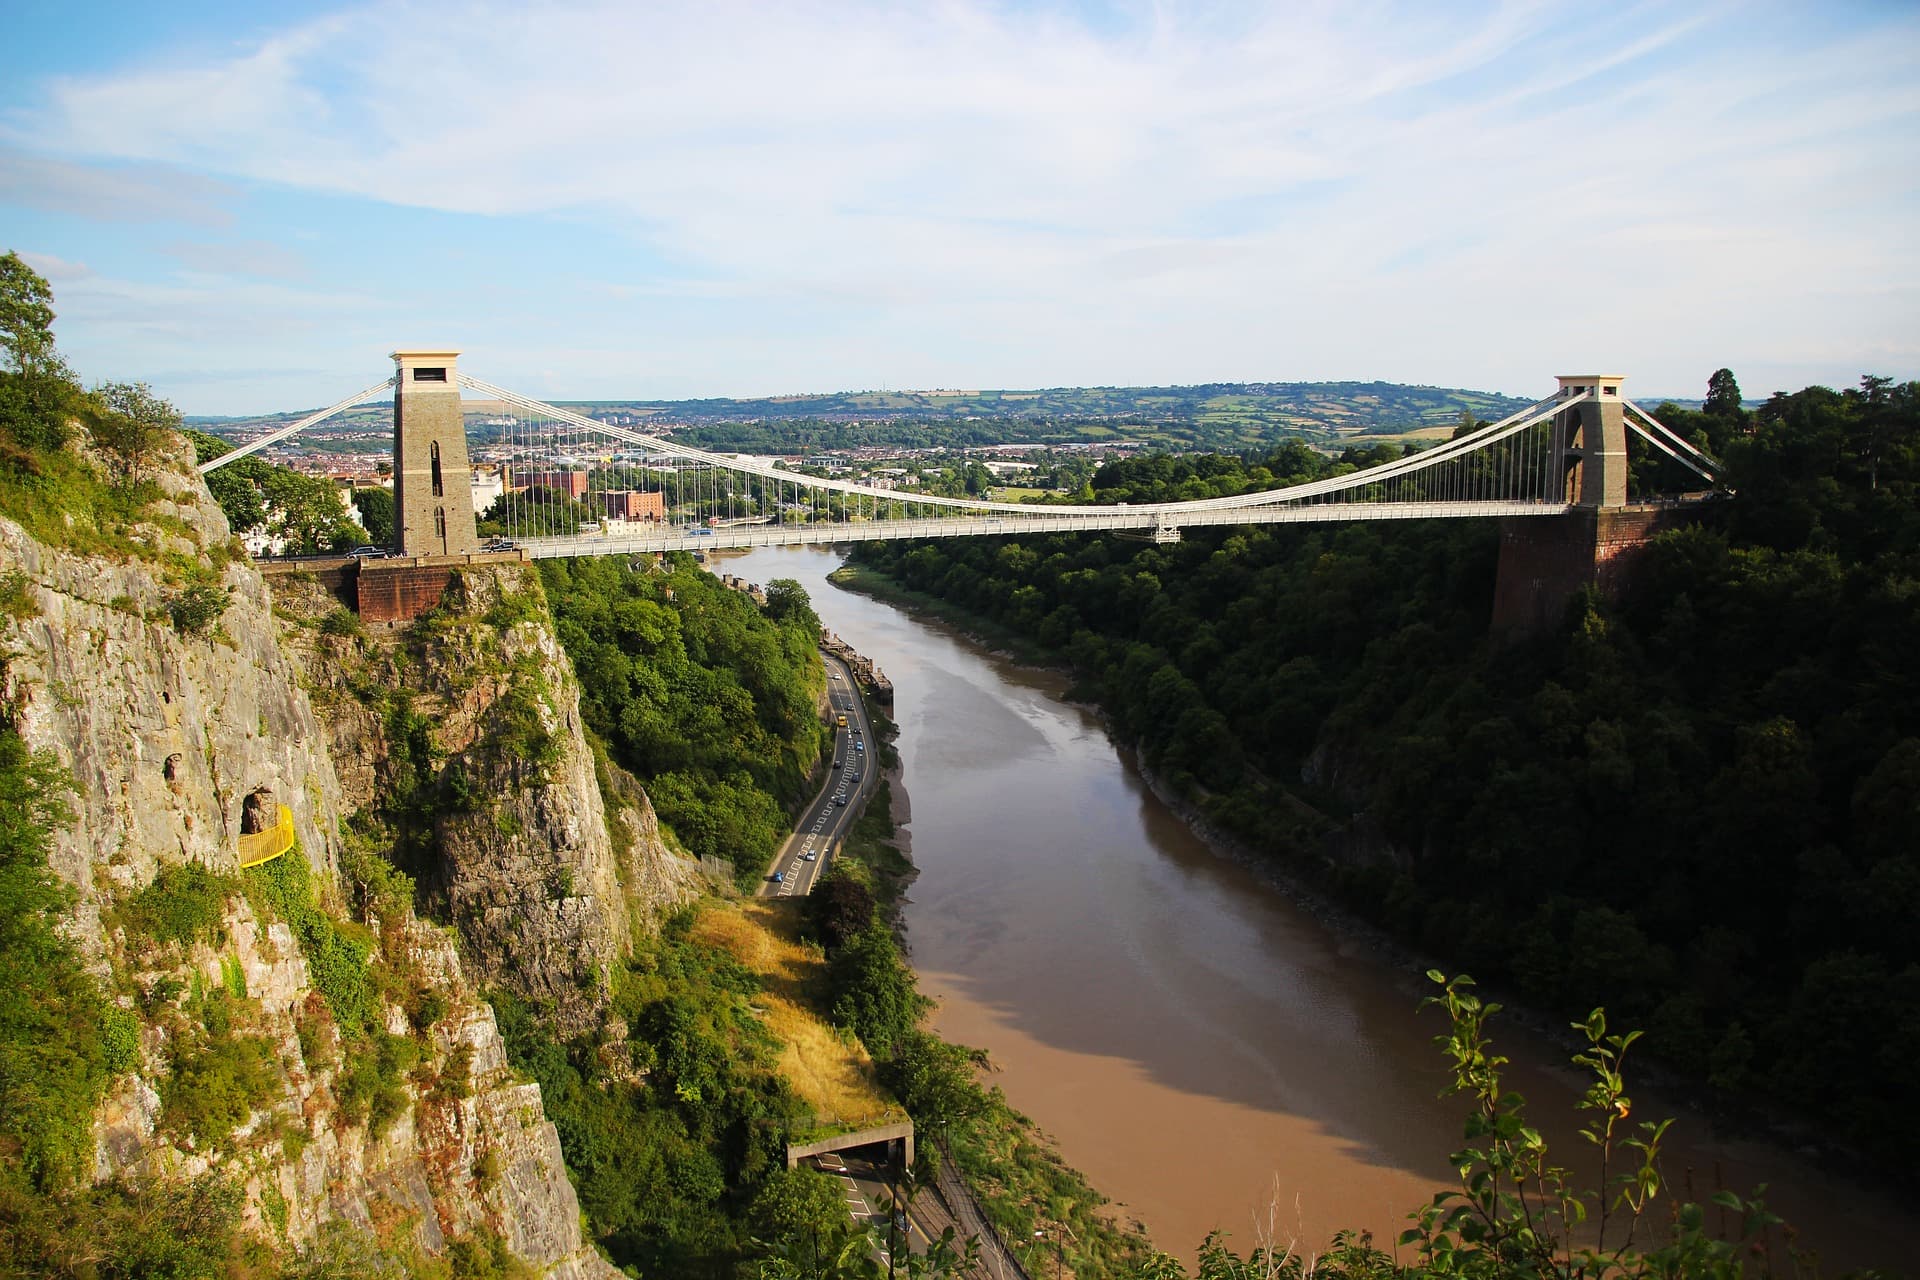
(934, 1079)
(839, 908)
(130, 425)
(1723, 395)
(787, 601)
(794, 1207)
(26, 316)
(376, 513)
(36, 387)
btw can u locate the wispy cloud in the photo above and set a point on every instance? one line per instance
(113, 193)
(997, 194)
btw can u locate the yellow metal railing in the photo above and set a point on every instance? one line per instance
(265, 846)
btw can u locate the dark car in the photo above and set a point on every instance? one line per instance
(369, 553)
(500, 544)
(839, 799)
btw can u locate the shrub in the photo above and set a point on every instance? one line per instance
(120, 1039)
(15, 600)
(216, 1084)
(196, 609)
(341, 622)
(374, 1088)
(336, 953)
(184, 903)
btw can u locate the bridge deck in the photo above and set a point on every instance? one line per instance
(671, 538)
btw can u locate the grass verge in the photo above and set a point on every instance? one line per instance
(831, 1073)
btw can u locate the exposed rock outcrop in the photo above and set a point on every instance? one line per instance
(159, 679)
(515, 848)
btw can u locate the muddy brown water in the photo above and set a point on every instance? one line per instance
(1208, 1053)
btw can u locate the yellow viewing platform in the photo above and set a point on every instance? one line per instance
(265, 846)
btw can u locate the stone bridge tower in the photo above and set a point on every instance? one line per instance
(1590, 442)
(432, 484)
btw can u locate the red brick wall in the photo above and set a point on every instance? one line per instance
(400, 592)
(1545, 560)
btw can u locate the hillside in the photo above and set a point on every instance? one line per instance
(1227, 416)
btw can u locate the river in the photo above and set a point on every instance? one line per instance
(1208, 1053)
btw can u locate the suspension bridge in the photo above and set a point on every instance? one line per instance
(571, 485)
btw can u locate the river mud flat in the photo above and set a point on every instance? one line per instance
(1207, 1050)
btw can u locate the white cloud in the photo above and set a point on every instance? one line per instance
(994, 195)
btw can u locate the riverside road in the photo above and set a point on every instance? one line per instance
(803, 857)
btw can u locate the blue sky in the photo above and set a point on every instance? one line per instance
(249, 205)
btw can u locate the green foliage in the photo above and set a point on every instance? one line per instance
(874, 992)
(336, 952)
(184, 904)
(165, 1229)
(702, 696)
(373, 1088)
(341, 622)
(16, 601)
(794, 1204)
(376, 513)
(196, 608)
(254, 494)
(130, 425)
(216, 1079)
(514, 607)
(119, 1039)
(36, 387)
(53, 1038)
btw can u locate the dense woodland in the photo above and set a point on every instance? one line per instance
(704, 698)
(1699, 805)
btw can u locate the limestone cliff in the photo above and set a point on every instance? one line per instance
(156, 672)
(463, 733)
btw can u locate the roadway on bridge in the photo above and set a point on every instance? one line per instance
(850, 780)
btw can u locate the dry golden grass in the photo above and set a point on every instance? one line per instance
(835, 1077)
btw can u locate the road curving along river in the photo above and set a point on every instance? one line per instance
(1206, 1051)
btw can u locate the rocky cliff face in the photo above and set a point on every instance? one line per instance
(162, 682)
(473, 714)
(166, 734)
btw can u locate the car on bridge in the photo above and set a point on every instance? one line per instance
(369, 553)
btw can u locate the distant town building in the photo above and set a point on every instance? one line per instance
(571, 483)
(634, 505)
(488, 485)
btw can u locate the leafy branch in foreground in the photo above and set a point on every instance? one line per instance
(1518, 1214)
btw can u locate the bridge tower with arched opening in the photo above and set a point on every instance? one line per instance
(432, 493)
